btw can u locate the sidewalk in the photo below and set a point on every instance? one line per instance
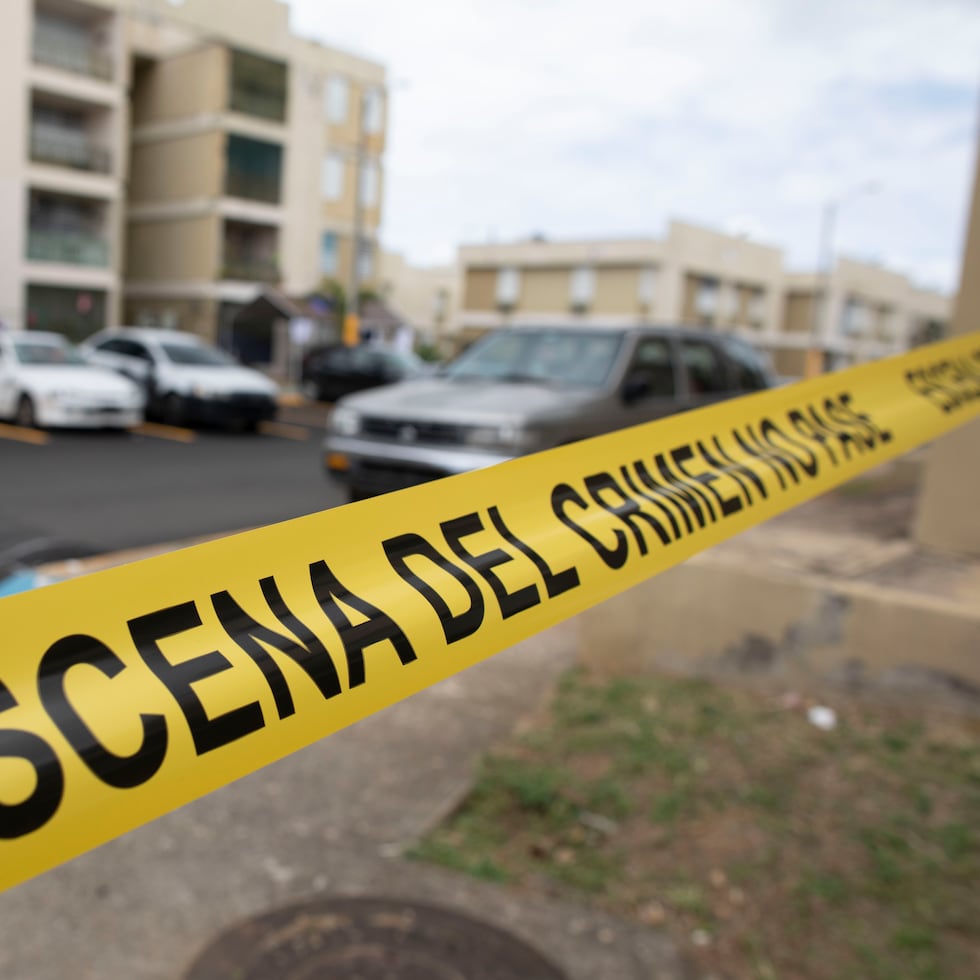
(331, 820)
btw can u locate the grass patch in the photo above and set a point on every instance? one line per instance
(738, 818)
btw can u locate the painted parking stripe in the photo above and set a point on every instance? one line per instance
(285, 430)
(172, 432)
(18, 433)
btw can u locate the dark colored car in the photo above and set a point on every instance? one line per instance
(331, 372)
(525, 389)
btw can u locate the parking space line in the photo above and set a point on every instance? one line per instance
(172, 432)
(285, 430)
(19, 434)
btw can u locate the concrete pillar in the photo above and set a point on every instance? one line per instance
(948, 517)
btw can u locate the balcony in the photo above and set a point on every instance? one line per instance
(69, 148)
(258, 86)
(253, 188)
(253, 169)
(70, 49)
(250, 252)
(70, 247)
(265, 105)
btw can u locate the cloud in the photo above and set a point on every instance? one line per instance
(574, 118)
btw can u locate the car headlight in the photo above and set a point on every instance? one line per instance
(345, 422)
(60, 396)
(507, 436)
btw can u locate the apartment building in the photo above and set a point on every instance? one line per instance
(697, 277)
(856, 312)
(170, 160)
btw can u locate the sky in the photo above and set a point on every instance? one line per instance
(608, 118)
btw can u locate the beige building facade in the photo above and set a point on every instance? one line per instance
(425, 297)
(696, 277)
(172, 160)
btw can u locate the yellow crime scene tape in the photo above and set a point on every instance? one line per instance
(127, 693)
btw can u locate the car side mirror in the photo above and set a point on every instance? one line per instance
(636, 387)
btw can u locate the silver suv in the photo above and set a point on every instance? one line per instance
(524, 389)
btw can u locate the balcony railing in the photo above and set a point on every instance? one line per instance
(69, 150)
(265, 105)
(60, 50)
(254, 188)
(70, 247)
(250, 270)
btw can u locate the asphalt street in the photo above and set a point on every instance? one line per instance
(114, 490)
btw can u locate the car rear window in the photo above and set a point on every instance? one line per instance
(196, 354)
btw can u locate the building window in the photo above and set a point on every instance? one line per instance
(258, 86)
(253, 169)
(706, 297)
(332, 177)
(76, 313)
(369, 184)
(508, 286)
(853, 318)
(646, 287)
(372, 110)
(328, 254)
(337, 98)
(582, 287)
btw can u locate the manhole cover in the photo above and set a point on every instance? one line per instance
(368, 939)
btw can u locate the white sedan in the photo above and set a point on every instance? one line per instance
(44, 381)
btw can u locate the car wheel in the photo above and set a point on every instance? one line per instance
(26, 417)
(172, 410)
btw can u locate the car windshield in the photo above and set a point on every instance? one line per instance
(574, 357)
(31, 351)
(197, 354)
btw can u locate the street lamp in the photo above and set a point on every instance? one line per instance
(820, 305)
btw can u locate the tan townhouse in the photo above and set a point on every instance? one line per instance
(696, 276)
(167, 162)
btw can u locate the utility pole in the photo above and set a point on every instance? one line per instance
(352, 319)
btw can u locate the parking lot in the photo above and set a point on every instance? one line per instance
(110, 490)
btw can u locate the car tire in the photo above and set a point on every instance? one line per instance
(25, 416)
(172, 410)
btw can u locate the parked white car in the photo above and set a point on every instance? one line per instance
(185, 380)
(44, 381)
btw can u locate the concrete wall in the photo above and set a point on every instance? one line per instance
(947, 517)
(196, 315)
(791, 629)
(185, 167)
(174, 249)
(414, 293)
(182, 85)
(160, 25)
